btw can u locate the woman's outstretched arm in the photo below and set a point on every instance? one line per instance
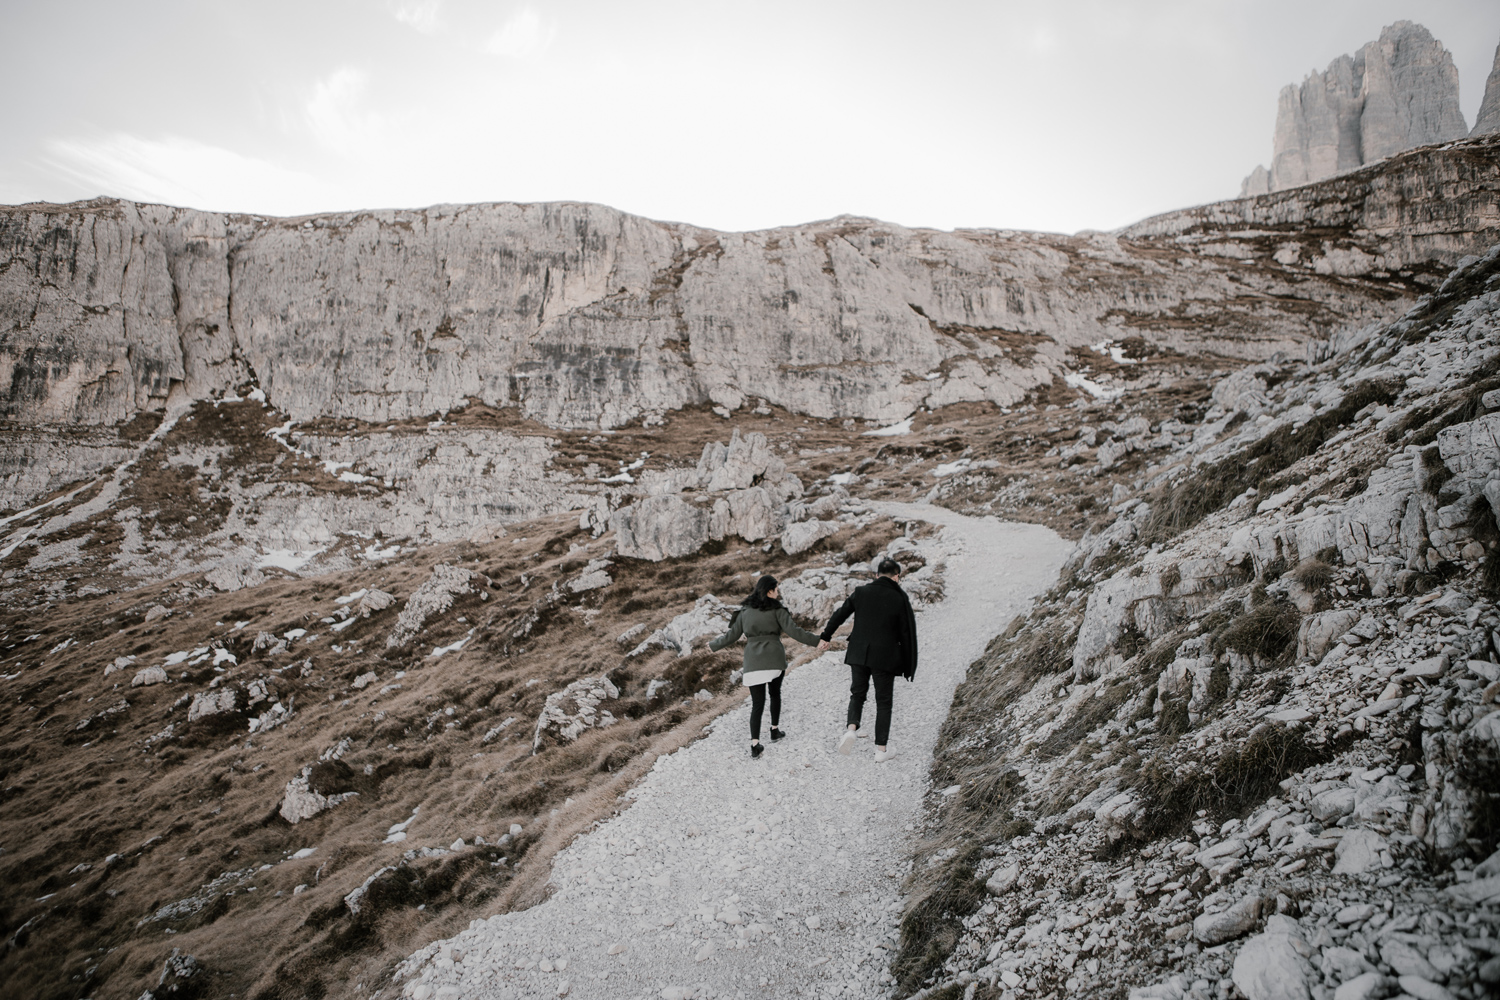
(784, 619)
(735, 631)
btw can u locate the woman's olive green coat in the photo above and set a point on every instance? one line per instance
(762, 630)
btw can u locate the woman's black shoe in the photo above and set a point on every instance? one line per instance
(777, 734)
(756, 749)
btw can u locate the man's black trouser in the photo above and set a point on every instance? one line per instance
(884, 687)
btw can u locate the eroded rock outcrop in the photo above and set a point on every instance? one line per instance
(1394, 94)
(747, 493)
(433, 597)
(1488, 120)
(578, 707)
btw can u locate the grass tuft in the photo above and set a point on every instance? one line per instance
(1242, 777)
(941, 897)
(1267, 631)
(1314, 574)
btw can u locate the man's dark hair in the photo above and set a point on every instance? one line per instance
(888, 567)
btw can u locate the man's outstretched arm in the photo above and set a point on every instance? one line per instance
(839, 617)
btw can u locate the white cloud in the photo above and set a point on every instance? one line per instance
(179, 171)
(336, 114)
(523, 36)
(419, 14)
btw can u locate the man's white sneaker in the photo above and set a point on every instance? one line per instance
(846, 743)
(881, 756)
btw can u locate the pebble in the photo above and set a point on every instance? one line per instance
(1354, 914)
(1423, 989)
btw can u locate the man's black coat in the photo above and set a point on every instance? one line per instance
(885, 628)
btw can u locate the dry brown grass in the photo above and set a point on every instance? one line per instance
(188, 808)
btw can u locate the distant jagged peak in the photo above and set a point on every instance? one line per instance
(1397, 92)
(1489, 112)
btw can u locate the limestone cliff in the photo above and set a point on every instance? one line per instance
(579, 315)
(1396, 93)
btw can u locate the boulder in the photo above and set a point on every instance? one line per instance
(657, 528)
(1003, 880)
(1119, 816)
(1270, 966)
(301, 801)
(746, 461)
(709, 616)
(813, 595)
(373, 601)
(1423, 989)
(1405, 960)
(804, 535)
(1319, 632)
(235, 573)
(1109, 605)
(215, 701)
(1358, 851)
(593, 577)
(1342, 964)
(149, 676)
(1332, 804)
(752, 514)
(1216, 928)
(1365, 986)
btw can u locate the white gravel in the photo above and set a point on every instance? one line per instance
(732, 877)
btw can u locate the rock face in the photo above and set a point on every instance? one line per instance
(1489, 111)
(579, 315)
(1394, 94)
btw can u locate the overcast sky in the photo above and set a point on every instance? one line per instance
(1058, 116)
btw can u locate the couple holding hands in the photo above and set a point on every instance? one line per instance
(882, 645)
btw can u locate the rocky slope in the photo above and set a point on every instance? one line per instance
(1397, 92)
(1246, 746)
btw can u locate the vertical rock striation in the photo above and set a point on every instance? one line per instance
(1489, 111)
(1397, 92)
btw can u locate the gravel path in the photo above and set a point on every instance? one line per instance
(770, 878)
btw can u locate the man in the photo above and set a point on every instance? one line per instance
(882, 645)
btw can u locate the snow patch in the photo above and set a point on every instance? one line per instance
(894, 430)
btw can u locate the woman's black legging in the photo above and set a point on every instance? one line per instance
(758, 704)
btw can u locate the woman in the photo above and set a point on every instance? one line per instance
(762, 620)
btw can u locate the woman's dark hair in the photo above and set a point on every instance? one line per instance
(760, 599)
(888, 567)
